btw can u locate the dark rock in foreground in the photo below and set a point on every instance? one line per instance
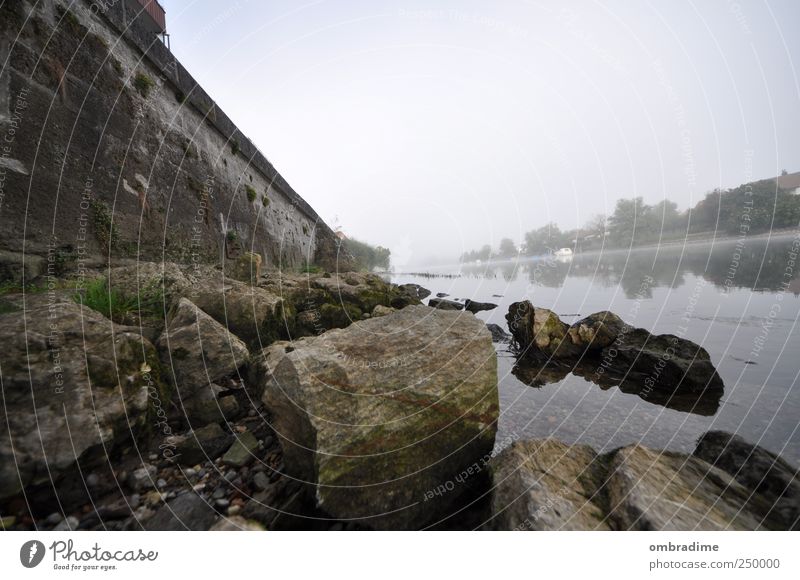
(73, 382)
(377, 416)
(757, 469)
(188, 511)
(547, 485)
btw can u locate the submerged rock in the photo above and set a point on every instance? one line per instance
(443, 304)
(498, 334)
(378, 415)
(475, 307)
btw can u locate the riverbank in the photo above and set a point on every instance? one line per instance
(192, 398)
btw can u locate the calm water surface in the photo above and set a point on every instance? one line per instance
(740, 302)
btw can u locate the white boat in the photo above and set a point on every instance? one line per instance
(563, 252)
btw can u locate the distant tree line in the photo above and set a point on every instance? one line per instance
(748, 209)
(368, 257)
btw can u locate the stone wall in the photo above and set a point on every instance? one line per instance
(108, 147)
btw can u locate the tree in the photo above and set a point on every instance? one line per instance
(368, 257)
(628, 219)
(507, 248)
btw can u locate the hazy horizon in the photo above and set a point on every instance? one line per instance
(435, 131)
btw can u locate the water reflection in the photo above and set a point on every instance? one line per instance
(751, 265)
(538, 374)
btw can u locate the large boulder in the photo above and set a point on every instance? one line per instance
(376, 416)
(757, 469)
(661, 490)
(256, 315)
(158, 282)
(546, 485)
(75, 385)
(198, 349)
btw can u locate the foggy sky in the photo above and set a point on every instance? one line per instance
(436, 127)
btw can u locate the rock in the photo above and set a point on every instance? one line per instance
(199, 350)
(668, 361)
(415, 402)
(671, 363)
(415, 291)
(188, 511)
(142, 478)
(204, 444)
(236, 523)
(67, 524)
(203, 407)
(661, 490)
(498, 334)
(255, 315)
(442, 295)
(163, 281)
(539, 330)
(597, 330)
(241, 452)
(475, 307)
(73, 383)
(7, 522)
(442, 304)
(758, 470)
(261, 481)
(246, 268)
(546, 485)
(17, 268)
(381, 310)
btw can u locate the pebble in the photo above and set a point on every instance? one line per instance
(234, 510)
(261, 481)
(189, 472)
(251, 413)
(135, 500)
(222, 503)
(161, 483)
(153, 456)
(54, 518)
(70, 523)
(219, 493)
(92, 480)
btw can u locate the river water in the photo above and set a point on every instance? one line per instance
(739, 299)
